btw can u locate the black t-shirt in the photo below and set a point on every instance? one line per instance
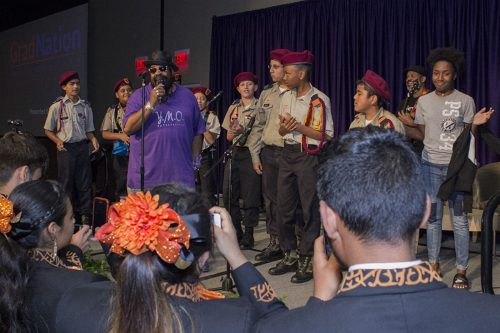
(409, 105)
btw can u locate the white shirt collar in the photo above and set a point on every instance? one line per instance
(385, 265)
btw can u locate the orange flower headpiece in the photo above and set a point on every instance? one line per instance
(7, 216)
(138, 224)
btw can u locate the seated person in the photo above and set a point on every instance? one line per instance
(372, 233)
(22, 158)
(40, 257)
(158, 287)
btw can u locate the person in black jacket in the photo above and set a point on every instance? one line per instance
(158, 287)
(384, 289)
(40, 257)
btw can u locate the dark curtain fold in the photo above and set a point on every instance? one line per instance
(348, 37)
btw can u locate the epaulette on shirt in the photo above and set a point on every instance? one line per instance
(84, 102)
(58, 99)
(267, 86)
(236, 101)
(385, 122)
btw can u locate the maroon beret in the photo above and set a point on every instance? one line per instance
(205, 91)
(245, 76)
(68, 76)
(122, 82)
(298, 58)
(278, 54)
(378, 84)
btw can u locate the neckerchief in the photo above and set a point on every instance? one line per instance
(315, 102)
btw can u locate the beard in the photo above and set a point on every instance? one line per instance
(167, 82)
(413, 86)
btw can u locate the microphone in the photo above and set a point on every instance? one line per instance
(219, 94)
(144, 76)
(161, 80)
(248, 129)
(16, 122)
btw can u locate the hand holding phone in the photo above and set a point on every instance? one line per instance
(328, 245)
(216, 220)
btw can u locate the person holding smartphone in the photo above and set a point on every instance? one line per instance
(41, 255)
(385, 288)
(164, 279)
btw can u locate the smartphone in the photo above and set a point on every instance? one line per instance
(77, 227)
(215, 217)
(328, 245)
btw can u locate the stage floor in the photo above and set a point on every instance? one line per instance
(295, 295)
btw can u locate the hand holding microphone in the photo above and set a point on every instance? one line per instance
(158, 92)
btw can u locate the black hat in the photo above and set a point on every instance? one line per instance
(415, 68)
(161, 58)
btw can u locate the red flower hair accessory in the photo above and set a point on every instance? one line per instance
(138, 224)
(7, 216)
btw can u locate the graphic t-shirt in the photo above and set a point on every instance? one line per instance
(444, 118)
(168, 140)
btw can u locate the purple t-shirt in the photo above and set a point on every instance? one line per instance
(168, 140)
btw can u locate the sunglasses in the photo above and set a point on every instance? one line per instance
(153, 70)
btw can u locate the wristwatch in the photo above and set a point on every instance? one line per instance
(149, 107)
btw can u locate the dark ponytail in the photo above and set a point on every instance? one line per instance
(139, 303)
(39, 202)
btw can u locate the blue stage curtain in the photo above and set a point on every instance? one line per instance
(348, 37)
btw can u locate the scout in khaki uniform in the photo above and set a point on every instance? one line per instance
(245, 182)
(306, 125)
(70, 126)
(372, 94)
(112, 129)
(267, 152)
(203, 96)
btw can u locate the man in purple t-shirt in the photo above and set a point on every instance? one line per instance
(172, 128)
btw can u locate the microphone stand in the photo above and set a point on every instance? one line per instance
(227, 281)
(143, 92)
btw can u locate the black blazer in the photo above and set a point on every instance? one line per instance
(397, 300)
(50, 278)
(46, 287)
(87, 308)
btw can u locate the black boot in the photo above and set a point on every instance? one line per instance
(287, 264)
(271, 252)
(304, 270)
(247, 241)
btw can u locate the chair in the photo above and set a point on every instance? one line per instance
(486, 184)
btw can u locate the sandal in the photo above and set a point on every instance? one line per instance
(460, 281)
(436, 268)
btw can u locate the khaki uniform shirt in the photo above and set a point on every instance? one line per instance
(383, 118)
(243, 115)
(72, 122)
(267, 123)
(298, 108)
(109, 123)
(212, 125)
